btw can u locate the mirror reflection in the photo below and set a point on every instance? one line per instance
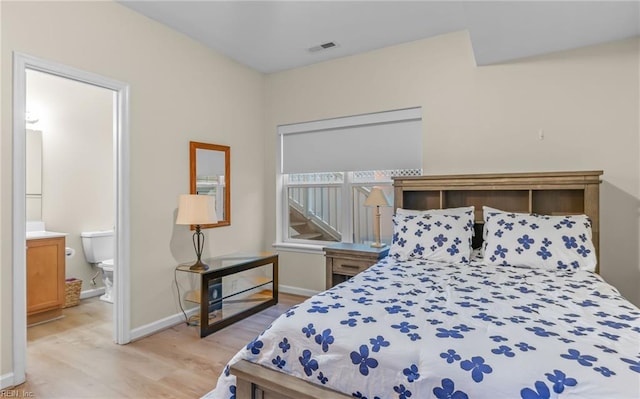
(210, 170)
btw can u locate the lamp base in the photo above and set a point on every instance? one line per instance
(378, 245)
(199, 266)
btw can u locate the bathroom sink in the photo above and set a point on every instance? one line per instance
(36, 230)
(35, 235)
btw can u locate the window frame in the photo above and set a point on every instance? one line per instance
(347, 208)
(282, 240)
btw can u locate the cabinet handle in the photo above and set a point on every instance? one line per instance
(350, 266)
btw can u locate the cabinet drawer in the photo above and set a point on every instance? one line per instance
(349, 267)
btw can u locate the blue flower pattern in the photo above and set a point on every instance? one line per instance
(309, 365)
(363, 360)
(560, 381)
(477, 367)
(325, 339)
(284, 345)
(378, 343)
(255, 346)
(411, 373)
(426, 302)
(448, 391)
(541, 392)
(584, 360)
(402, 391)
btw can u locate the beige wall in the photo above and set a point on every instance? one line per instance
(180, 91)
(476, 119)
(486, 119)
(77, 155)
(301, 273)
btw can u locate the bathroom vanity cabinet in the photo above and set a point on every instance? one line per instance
(45, 278)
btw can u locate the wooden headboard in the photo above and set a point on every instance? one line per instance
(546, 193)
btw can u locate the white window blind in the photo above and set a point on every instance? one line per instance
(383, 140)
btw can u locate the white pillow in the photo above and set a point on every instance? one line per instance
(438, 237)
(547, 242)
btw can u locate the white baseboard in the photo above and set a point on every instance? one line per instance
(91, 293)
(6, 380)
(287, 289)
(161, 324)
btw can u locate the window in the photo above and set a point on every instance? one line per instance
(314, 206)
(329, 207)
(327, 169)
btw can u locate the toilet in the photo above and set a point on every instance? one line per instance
(98, 249)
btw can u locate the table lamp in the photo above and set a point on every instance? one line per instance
(377, 198)
(197, 210)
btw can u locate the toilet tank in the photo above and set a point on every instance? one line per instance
(98, 245)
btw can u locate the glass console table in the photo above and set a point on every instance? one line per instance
(234, 287)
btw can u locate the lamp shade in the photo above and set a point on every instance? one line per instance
(196, 209)
(376, 198)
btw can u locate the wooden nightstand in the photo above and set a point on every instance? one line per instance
(346, 260)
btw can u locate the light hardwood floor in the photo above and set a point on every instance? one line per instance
(75, 357)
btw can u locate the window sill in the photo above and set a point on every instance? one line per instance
(316, 249)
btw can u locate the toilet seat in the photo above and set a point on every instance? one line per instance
(107, 265)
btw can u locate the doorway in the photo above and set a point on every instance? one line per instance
(120, 98)
(69, 183)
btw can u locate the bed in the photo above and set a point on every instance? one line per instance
(443, 321)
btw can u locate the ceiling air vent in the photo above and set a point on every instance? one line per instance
(323, 46)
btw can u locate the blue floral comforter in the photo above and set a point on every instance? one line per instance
(420, 329)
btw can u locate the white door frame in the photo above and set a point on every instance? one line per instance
(121, 308)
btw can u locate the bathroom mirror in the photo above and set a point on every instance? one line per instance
(34, 175)
(210, 175)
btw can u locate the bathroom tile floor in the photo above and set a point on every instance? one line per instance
(75, 357)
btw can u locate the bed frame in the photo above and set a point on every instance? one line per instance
(549, 193)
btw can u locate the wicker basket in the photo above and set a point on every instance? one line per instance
(72, 289)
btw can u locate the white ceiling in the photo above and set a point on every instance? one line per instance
(271, 36)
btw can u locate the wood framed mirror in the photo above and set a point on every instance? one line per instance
(210, 173)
